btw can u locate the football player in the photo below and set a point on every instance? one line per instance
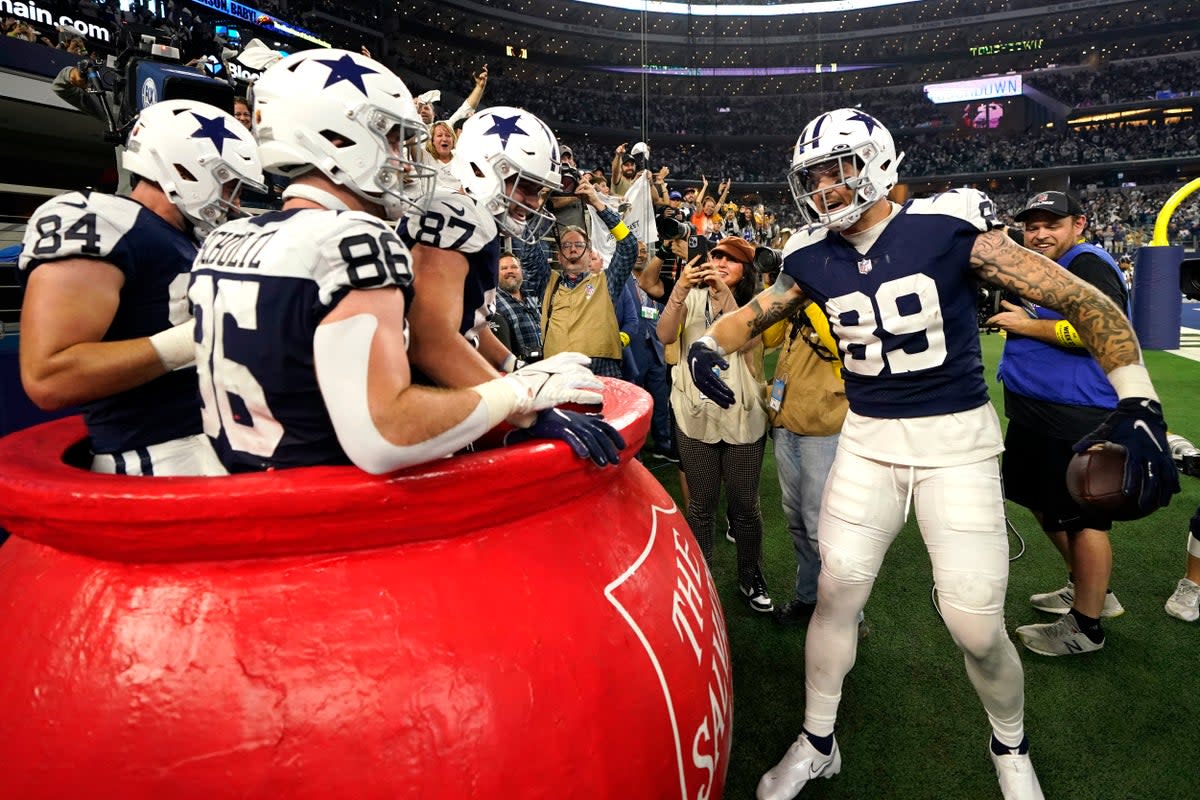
(504, 159)
(897, 284)
(105, 323)
(302, 332)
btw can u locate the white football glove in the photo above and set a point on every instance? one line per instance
(562, 378)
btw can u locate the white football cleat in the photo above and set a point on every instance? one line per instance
(799, 765)
(1185, 603)
(1018, 781)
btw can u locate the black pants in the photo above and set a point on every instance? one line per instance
(738, 467)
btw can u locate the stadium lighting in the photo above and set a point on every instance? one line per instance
(743, 9)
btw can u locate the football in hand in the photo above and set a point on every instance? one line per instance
(1095, 478)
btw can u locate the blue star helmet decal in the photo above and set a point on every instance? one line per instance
(214, 130)
(865, 119)
(346, 69)
(504, 127)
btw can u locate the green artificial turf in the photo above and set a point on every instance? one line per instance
(1115, 724)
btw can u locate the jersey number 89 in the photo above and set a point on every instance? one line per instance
(901, 307)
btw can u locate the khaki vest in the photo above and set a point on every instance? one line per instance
(743, 423)
(814, 397)
(583, 318)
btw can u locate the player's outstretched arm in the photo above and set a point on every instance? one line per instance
(383, 422)
(1102, 326)
(69, 305)
(778, 301)
(1137, 424)
(706, 356)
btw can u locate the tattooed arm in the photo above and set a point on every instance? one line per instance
(1101, 325)
(778, 301)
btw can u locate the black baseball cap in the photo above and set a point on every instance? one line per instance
(1060, 204)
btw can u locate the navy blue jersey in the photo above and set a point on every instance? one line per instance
(260, 287)
(456, 222)
(154, 256)
(903, 313)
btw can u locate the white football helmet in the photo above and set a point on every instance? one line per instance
(192, 150)
(349, 117)
(500, 148)
(830, 143)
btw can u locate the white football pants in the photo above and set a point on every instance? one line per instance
(191, 455)
(960, 511)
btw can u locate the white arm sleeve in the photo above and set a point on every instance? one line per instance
(341, 352)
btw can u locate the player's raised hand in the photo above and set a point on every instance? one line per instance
(705, 362)
(1151, 477)
(587, 434)
(562, 378)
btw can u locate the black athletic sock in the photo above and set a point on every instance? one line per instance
(1090, 626)
(1001, 749)
(824, 744)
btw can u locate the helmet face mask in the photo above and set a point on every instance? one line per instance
(856, 153)
(351, 119)
(405, 186)
(505, 152)
(198, 155)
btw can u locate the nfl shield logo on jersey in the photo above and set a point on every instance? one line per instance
(864, 266)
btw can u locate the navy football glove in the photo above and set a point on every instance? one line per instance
(705, 363)
(588, 434)
(1150, 474)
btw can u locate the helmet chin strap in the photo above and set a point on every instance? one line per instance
(320, 196)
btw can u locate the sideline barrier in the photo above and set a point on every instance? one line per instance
(1157, 302)
(511, 623)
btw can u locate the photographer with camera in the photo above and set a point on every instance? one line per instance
(565, 205)
(1055, 393)
(570, 321)
(721, 446)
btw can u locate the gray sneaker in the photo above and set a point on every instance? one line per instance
(1062, 600)
(1185, 603)
(1061, 638)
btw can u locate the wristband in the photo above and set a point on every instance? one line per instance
(711, 344)
(624, 339)
(510, 363)
(500, 398)
(176, 347)
(620, 231)
(1132, 380)
(1066, 334)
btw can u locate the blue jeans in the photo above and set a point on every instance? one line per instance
(803, 463)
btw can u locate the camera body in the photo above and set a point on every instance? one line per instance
(670, 228)
(987, 305)
(767, 260)
(570, 181)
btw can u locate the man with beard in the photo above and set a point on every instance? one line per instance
(520, 313)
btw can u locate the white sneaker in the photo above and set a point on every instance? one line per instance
(1018, 781)
(1185, 603)
(1062, 600)
(1061, 638)
(799, 765)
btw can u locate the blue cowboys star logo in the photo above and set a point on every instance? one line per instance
(346, 69)
(504, 127)
(865, 119)
(214, 130)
